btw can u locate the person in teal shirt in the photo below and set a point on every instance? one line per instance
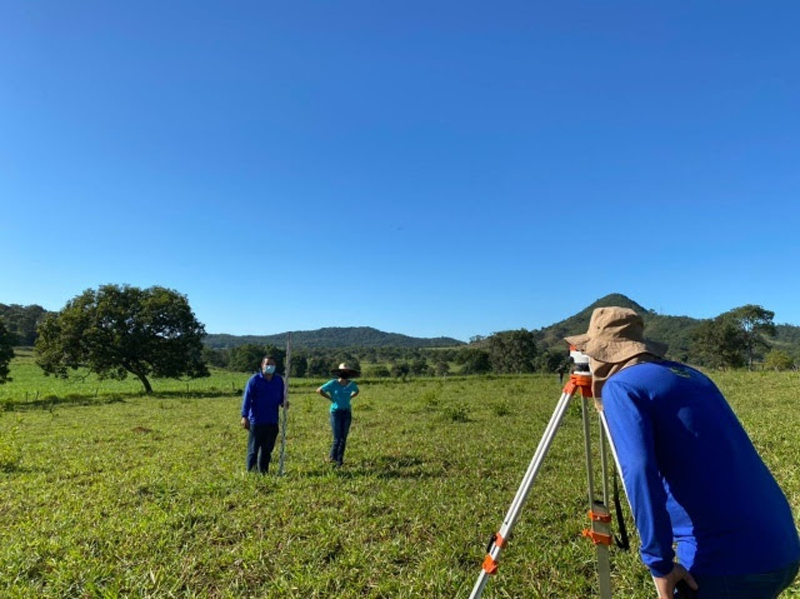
(340, 391)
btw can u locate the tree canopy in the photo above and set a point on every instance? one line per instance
(733, 339)
(512, 351)
(120, 330)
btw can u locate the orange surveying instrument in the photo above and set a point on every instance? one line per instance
(599, 531)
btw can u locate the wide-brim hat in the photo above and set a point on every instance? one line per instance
(616, 335)
(345, 372)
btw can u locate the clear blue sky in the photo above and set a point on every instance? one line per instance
(429, 168)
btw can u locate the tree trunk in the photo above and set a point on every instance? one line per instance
(147, 388)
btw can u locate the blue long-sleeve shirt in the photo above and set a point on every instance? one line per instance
(693, 477)
(262, 398)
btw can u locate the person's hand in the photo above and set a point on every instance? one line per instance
(665, 585)
(245, 423)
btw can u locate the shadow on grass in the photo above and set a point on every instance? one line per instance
(382, 467)
(49, 402)
(14, 468)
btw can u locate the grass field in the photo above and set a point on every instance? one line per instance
(106, 493)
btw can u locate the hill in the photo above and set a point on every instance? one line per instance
(332, 337)
(675, 331)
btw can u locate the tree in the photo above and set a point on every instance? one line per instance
(719, 343)
(298, 367)
(247, 357)
(474, 361)
(319, 367)
(120, 330)
(442, 368)
(551, 360)
(733, 339)
(400, 370)
(7, 340)
(419, 367)
(378, 371)
(512, 351)
(219, 358)
(754, 322)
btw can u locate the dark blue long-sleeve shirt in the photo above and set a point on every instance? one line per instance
(693, 476)
(262, 398)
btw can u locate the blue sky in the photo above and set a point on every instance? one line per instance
(428, 168)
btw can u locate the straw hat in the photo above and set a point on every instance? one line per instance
(616, 335)
(345, 372)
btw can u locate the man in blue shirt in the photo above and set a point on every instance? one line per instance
(691, 473)
(263, 395)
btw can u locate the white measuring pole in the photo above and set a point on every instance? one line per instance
(285, 408)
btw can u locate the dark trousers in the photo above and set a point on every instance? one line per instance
(340, 426)
(260, 444)
(746, 586)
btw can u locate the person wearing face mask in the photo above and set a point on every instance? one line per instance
(339, 391)
(263, 395)
(691, 473)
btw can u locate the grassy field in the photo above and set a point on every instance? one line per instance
(106, 493)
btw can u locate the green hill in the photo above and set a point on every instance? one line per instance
(332, 337)
(675, 331)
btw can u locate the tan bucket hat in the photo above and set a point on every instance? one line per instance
(345, 372)
(616, 335)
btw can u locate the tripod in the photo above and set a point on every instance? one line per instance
(600, 531)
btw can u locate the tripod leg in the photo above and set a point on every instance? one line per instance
(499, 540)
(600, 531)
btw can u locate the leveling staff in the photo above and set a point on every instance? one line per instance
(691, 473)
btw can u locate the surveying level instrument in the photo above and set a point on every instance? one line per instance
(599, 531)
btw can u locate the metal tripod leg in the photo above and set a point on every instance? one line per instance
(599, 514)
(600, 531)
(496, 545)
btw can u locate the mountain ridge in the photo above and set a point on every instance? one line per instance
(332, 337)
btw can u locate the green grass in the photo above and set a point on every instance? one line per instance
(112, 494)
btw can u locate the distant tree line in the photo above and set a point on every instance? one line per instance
(332, 337)
(507, 352)
(116, 331)
(21, 322)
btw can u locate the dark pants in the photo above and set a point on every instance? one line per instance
(340, 426)
(260, 444)
(746, 586)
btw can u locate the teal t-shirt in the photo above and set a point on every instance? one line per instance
(340, 394)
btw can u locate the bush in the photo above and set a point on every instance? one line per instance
(778, 360)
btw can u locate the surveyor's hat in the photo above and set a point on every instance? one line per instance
(345, 372)
(616, 335)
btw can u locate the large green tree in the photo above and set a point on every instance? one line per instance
(733, 339)
(512, 351)
(474, 361)
(718, 343)
(755, 323)
(120, 330)
(7, 340)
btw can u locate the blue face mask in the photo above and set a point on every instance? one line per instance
(269, 369)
